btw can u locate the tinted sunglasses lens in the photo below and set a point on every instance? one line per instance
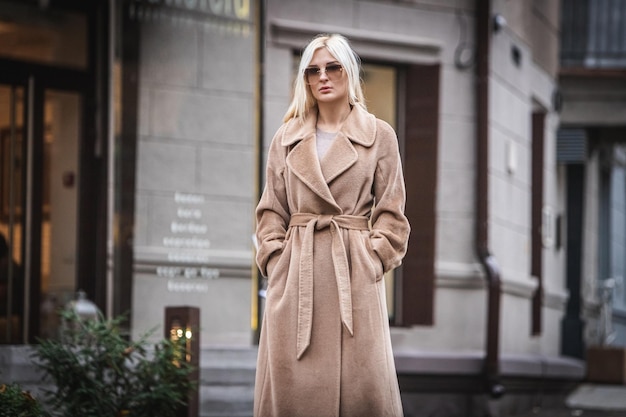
(333, 71)
(311, 75)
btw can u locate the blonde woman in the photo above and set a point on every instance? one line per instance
(330, 223)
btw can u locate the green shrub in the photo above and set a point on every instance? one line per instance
(99, 373)
(15, 402)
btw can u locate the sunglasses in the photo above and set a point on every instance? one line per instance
(332, 71)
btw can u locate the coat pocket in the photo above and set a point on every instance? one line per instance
(276, 256)
(377, 264)
(271, 263)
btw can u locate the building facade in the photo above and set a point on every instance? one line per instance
(591, 148)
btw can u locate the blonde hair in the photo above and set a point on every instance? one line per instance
(303, 101)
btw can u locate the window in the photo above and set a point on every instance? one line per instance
(381, 97)
(408, 99)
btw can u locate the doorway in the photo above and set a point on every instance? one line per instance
(38, 208)
(50, 166)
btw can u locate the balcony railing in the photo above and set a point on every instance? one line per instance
(593, 33)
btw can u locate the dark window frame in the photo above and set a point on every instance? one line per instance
(420, 147)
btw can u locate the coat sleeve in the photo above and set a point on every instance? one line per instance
(390, 227)
(272, 212)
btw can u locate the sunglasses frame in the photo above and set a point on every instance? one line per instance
(332, 71)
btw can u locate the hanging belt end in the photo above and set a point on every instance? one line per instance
(348, 326)
(301, 348)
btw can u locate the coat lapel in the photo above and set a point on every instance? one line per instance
(302, 160)
(339, 158)
(359, 127)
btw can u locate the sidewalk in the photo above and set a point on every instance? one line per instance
(588, 400)
(573, 412)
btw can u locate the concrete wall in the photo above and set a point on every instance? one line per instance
(196, 171)
(535, 23)
(593, 101)
(519, 88)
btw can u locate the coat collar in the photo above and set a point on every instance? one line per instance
(359, 127)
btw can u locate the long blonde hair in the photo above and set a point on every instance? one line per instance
(303, 101)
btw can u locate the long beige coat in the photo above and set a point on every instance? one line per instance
(325, 348)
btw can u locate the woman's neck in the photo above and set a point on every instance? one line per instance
(331, 117)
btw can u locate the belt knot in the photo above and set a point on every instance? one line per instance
(312, 222)
(323, 221)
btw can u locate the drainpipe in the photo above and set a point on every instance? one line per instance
(491, 368)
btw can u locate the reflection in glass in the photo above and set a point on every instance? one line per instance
(30, 33)
(59, 227)
(11, 272)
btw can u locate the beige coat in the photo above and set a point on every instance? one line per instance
(325, 348)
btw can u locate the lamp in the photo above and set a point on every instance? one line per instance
(499, 22)
(83, 307)
(184, 323)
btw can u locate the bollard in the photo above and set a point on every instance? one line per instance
(184, 322)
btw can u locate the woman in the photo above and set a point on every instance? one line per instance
(330, 222)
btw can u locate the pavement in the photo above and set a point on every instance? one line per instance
(588, 400)
(567, 412)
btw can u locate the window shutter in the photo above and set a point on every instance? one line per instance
(571, 146)
(420, 156)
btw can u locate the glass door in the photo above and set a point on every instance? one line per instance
(39, 145)
(11, 220)
(47, 139)
(60, 176)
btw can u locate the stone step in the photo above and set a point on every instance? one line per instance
(229, 414)
(223, 366)
(233, 400)
(227, 382)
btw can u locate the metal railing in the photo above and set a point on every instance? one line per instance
(593, 33)
(606, 334)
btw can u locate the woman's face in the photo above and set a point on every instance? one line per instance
(330, 84)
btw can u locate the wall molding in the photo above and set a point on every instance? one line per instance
(469, 276)
(368, 44)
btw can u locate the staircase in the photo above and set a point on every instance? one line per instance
(227, 382)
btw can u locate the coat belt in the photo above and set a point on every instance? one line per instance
(313, 222)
